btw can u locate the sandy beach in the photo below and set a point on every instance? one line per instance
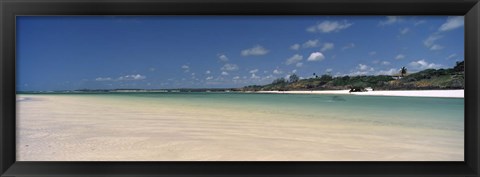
(410, 93)
(65, 128)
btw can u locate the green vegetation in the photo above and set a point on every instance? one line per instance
(452, 78)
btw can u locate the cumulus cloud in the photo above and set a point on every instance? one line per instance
(452, 23)
(253, 71)
(223, 57)
(422, 64)
(185, 68)
(399, 57)
(390, 20)
(385, 63)
(328, 70)
(209, 78)
(295, 47)
(132, 77)
(327, 46)
(225, 73)
(229, 67)
(255, 51)
(316, 56)
(329, 26)
(207, 72)
(363, 67)
(310, 43)
(277, 71)
(236, 77)
(103, 79)
(390, 72)
(294, 59)
(253, 76)
(299, 64)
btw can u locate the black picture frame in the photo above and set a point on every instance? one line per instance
(11, 8)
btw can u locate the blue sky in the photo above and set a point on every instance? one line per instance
(107, 52)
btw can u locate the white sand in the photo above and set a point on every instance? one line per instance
(410, 93)
(77, 128)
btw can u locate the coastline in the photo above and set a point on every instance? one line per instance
(407, 93)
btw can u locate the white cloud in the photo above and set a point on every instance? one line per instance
(452, 56)
(327, 46)
(422, 64)
(300, 64)
(399, 57)
(452, 23)
(348, 46)
(294, 59)
(277, 71)
(151, 69)
(310, 43)
(229, 67)
(329, 26)
(207, 72)
(295, 47)
(185, 68)
(329, 70)
(431, 39)
(419, 22)
(132, 77)
(236, 77)
(253, 76)
(223, 58)
(385, 63)
(363, 67)
(256, 50)
(316, 56)
(253, 71)
(209, 78)
(390, 20)
(294, 71)
(225, 73)
(391, 71)
(404, 31)
(103, 79)
(436, 47)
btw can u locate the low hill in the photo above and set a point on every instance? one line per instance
(451, 78)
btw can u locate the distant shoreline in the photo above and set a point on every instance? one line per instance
(408, 93)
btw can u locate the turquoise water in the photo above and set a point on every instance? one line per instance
(436, 113)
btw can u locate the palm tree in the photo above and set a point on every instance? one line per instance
(403, 71)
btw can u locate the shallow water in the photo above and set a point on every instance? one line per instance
(438, 113)
(238, 126)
